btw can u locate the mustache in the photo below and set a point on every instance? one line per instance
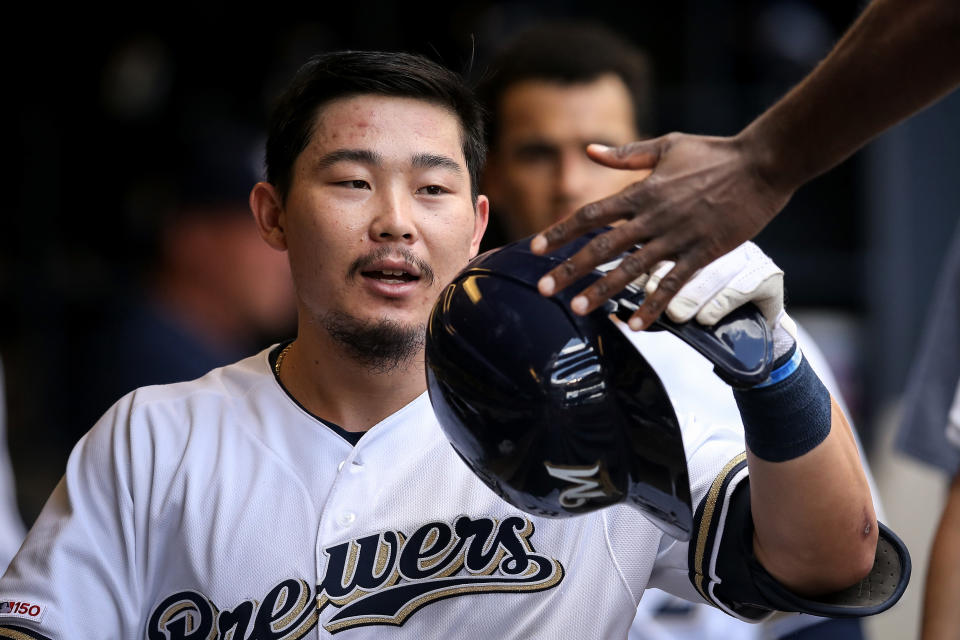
(409, 258)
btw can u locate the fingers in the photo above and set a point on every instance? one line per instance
(765, 293)
(643, 154)
(596, 214)
(721, 304)
(667, 287)
(630, 268)
(600, 249)
(684, 305)
(625, 204)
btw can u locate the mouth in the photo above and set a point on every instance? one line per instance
(390, 276)
(393, 269)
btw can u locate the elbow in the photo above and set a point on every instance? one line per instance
(827, 565)
(847, 562)
(861, 552)
(867, 552)
(857, 566)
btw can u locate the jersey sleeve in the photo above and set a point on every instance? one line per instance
(77, 573)
(716, 462)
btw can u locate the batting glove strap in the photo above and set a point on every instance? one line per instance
(787, 415)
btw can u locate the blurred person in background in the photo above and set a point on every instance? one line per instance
(549, 93)
(930, 433)
(548, 97)
(206, 289)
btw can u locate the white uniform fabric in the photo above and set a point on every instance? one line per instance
(11, 526)
(953, 420)
(689, 379)
(219, 508)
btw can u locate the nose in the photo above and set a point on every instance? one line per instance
(394, 219)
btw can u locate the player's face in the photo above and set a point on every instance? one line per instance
(379, 215)
(538, 171)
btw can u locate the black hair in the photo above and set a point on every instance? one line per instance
(568, 53)
(343, 74)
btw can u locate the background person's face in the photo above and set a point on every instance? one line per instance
(538, 171)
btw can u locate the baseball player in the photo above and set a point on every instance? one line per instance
(551, 91)
(308, 491)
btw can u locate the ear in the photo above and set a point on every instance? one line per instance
(269, 214)
(480, 219)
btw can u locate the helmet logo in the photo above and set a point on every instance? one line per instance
(577, 373)
(586, 482)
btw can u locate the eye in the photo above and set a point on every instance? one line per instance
(354, 184)
(536, 152)
(432, 190)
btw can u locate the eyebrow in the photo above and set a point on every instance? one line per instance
(360, 156)
(368, 157)
(430, 160)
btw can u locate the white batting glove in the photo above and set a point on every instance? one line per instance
(746, 274)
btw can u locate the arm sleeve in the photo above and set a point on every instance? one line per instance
(716, 463)
(76, 575)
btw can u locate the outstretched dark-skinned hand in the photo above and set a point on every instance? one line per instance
(707, 195)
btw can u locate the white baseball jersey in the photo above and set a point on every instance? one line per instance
(11, 527)
(953, 420)
(219, 508)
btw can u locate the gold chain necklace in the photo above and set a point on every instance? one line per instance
(280, 357)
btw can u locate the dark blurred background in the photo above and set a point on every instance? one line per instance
(109, 109)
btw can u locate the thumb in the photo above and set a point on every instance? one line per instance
(643, 154)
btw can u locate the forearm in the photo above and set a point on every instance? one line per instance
(814, 512)
(898, 57)
(941, 616)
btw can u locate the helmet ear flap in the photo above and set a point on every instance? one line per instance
(555, 412)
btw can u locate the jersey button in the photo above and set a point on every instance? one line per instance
(346, 518)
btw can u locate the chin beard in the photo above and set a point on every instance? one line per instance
(382, 345)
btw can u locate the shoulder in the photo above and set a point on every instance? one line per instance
(223, 385)
(226, 388)
(158, 418)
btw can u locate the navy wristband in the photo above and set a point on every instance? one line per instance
(787, 417)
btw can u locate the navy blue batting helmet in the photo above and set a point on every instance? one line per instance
(559, 413)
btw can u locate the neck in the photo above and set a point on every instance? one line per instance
(331, 384)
